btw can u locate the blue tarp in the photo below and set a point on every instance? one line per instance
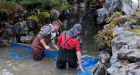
(87, 64)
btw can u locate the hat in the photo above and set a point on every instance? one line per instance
(73, 32)
(78, 27)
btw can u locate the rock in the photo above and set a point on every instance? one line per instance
(132, 45)
(124, 68)
(117, 69)
(125, 62)
(134, 65)
(126, 33)
(129, 25)
(129, 6)
(138, 43)
(104, 57)
(121, 44)
(118, 30)
(120, 41)
(102, 15)
(26, 39)
(132, 55)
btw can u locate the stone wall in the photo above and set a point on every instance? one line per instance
(125, 58)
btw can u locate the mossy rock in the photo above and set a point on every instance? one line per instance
(114, 15)
(45, 14)
(34, 17)
(136, 30)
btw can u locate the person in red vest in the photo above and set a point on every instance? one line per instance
(43, 38)
(69, 49)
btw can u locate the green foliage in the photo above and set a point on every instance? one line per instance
(117, 19)
(34, 17)
(45, 14)
(95, 2)
(114, 15)
(136, 31)
(104, 37)
(138, 21)
(9, 5)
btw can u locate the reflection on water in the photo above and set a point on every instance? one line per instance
(9, 66)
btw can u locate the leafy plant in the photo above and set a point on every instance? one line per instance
(104, 37)
(114, 15)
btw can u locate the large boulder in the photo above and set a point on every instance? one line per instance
(129, 7)
(120, 41)
(124, 68)
(132, 55)
(125, 62)
(126, 57)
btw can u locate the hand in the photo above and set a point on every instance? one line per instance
(47, 47)
(81, 68)
(57, 48)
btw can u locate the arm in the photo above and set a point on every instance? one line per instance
(78, 53)
(44, 31)
(44, 44)
(57, 48)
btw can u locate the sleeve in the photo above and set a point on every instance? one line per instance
(78, 48)
(44, 31)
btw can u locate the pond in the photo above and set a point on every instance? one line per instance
(23, 64)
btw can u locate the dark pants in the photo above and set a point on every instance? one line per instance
(66, 56)
(37, 54)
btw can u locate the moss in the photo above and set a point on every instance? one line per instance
(45, 14)
(136, 31)
(34, 17)
(114, 15)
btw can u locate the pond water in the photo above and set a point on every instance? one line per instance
(25, 65)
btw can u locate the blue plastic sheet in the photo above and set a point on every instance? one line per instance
(87, 64)
(28, 49)
(84, 73)
(51, 54)
(19, 53)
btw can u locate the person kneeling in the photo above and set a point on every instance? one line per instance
(69, 49)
